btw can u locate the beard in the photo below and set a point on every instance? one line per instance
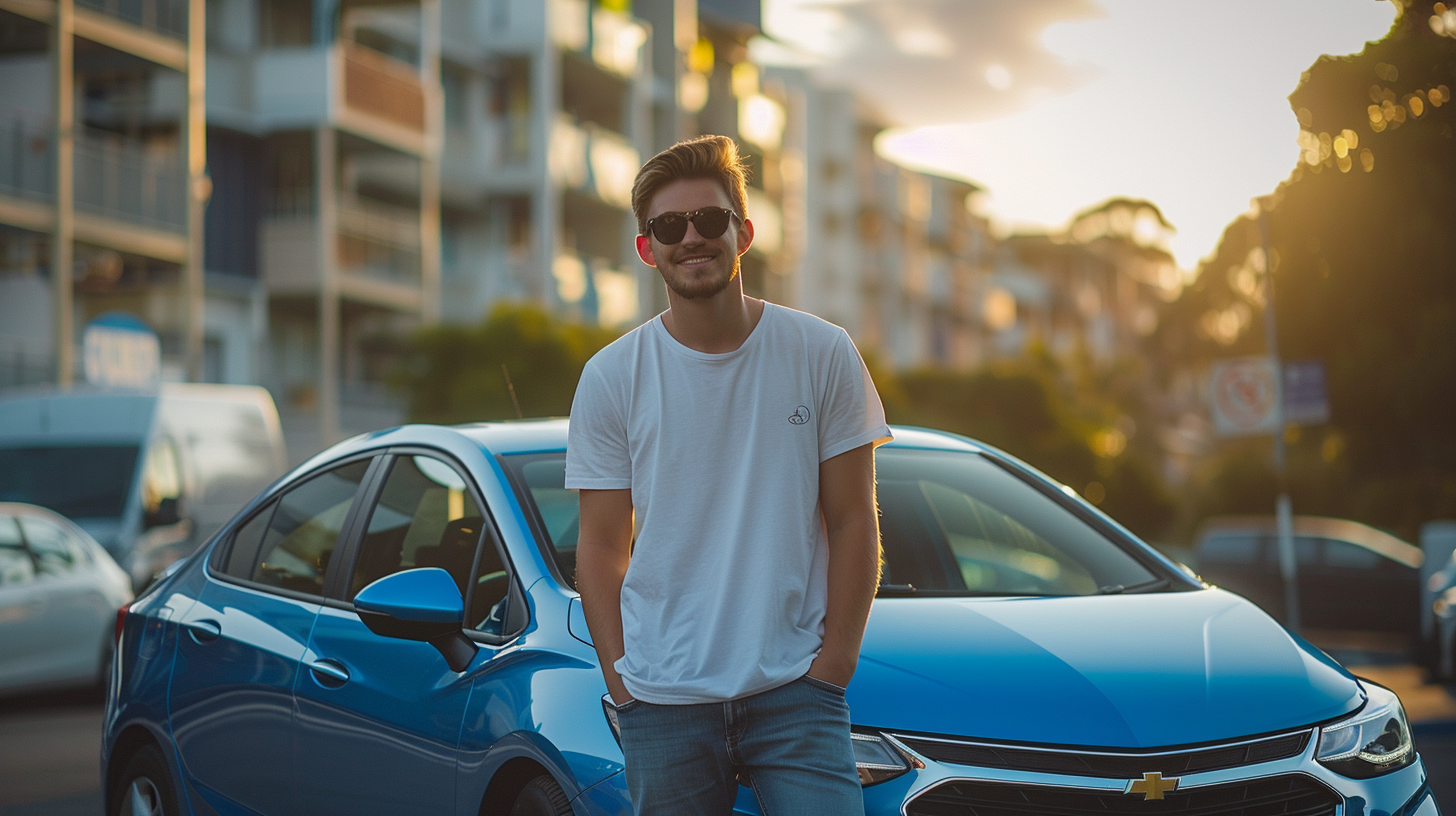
(700, 284)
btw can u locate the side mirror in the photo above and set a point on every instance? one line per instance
(419, 604)
(168, 512)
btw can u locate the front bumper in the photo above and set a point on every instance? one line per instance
(1401, 793)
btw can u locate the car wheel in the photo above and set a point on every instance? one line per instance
(144, 788)
(541, 797)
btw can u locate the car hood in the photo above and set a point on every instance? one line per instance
(1133, 671)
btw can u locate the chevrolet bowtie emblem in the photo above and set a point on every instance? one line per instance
(1152, 786)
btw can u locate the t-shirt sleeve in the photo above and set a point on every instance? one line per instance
(597, 457)
(850, 411)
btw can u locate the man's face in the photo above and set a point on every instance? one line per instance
(695, 267)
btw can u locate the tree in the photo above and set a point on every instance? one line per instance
(1364, 264)
(467, 373)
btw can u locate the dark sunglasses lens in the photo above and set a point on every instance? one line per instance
(711, 223)
(670, 228)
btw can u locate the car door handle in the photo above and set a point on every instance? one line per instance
(204, 631)
(330, 673)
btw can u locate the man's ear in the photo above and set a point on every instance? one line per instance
(644, 251)
(745, 236)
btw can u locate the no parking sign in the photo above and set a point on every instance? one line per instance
(1244, 395)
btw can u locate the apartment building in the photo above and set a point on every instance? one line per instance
(1095, 290)
(325, 125)
(102, 185)
(898, 257)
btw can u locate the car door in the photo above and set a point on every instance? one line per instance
(231, 696)
(75, 619)
(379, 718)
(22, 607)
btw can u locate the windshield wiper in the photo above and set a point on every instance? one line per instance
(1147, 586)
(896, 589)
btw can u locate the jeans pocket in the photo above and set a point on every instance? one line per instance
(627, 706)
(825, 685)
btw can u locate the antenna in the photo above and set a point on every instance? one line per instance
(512, 389)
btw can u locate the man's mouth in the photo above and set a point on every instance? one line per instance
(694, 260)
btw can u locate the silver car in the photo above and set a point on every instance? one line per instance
(59, 596)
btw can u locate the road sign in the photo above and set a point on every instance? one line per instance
(1305, 402)
(1244, 394)
(121, 350)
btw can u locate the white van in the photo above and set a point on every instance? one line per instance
(151, 475)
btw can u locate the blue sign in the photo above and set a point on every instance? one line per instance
(1305, 399)
(121, 350)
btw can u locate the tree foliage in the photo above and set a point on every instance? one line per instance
(1364, 264)
(459, 373)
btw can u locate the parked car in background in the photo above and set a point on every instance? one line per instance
(59, 593)
(1350, 575)
(392, 628)
(1443, 586)
(149, 474)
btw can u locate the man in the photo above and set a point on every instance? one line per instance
(739, 435)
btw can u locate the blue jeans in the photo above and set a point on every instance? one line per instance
(790, 744)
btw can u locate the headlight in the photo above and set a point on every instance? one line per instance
(1375, 741)
(877, 760)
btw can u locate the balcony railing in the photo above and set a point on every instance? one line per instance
(162, 16)
(382, 87)
(132, 181)
(593, 160)
(379, 241)
(27, 156)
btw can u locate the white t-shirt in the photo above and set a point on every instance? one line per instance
(726, 590)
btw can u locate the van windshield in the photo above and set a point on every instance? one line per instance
(84, 481)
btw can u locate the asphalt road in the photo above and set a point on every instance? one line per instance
(50, 765)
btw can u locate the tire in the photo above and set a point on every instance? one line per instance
(541, 797)
(144, 787)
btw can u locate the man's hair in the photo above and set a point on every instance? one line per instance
(706, 157)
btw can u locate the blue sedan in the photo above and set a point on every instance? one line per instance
(392, 629)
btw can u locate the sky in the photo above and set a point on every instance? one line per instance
(1054, 106)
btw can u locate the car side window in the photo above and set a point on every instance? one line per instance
(304, 530)
(16, 567)
(1344, 555)
(1229, 549)
(242, 555)
(54, 552)
(427, 517)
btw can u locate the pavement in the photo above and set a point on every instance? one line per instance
(49, 762)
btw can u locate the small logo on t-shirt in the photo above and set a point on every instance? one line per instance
(800, 415)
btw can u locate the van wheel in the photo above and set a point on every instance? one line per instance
(541, 797)
(144, 787)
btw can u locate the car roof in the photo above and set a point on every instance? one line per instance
(537, 435)
(1362, 535)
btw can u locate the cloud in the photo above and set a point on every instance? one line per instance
(1056, 105)
(923, 62)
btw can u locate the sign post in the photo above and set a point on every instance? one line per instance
(1283, 514)
(121, 351)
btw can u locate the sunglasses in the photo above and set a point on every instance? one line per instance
(710, 222)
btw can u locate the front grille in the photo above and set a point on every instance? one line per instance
(1109, 765)
(1288, 795)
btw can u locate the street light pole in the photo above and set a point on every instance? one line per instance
(1283, 513)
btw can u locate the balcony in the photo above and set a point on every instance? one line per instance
(355, 88)
(167, 17)
(376, 251)
(612, 39)
(592, 160)
(131, 181)
(381, 87)
(27, 161)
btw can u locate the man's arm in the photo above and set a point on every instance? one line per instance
(847, 498)
(603, 548)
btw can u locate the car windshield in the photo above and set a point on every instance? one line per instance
(84, 481)
(951, 523)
